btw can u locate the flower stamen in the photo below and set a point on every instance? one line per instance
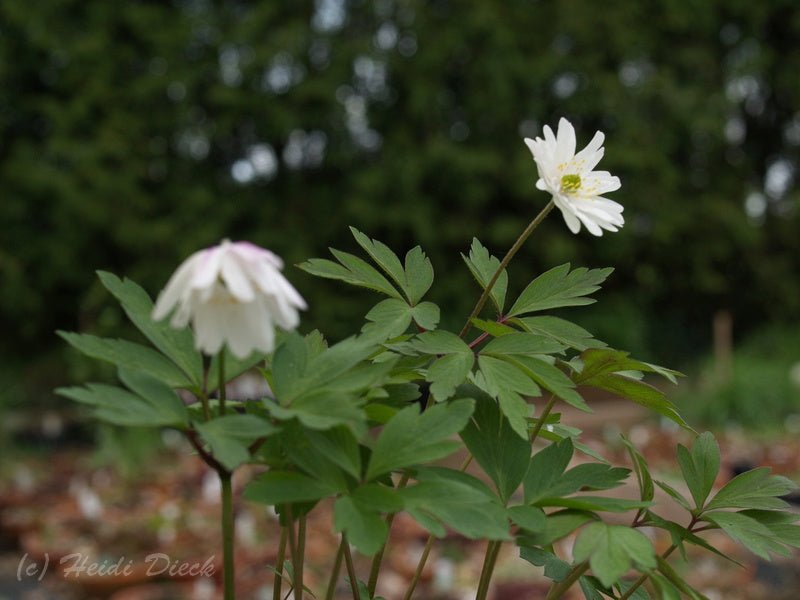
(570, 183)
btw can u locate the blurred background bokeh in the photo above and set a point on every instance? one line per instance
(131, 134)
(134, 133)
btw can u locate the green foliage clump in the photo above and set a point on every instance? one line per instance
(763, 387)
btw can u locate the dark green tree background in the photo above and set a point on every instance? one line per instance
(133, 133)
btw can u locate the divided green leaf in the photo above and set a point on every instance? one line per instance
(411, 438)
(559, 287)
(483, 267)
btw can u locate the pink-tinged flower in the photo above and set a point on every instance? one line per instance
(232, 293)
(577, 190)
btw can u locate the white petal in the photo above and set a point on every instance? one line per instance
(587, 159)
(568, 212)
(242, 325)
(206, 271)
(566, 141)
(235, 278)
(590, 224)
(175, 288)
(209, 328)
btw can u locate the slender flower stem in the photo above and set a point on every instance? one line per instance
(504, 263)
(337, 567)
(300, 558)
(222, 387)
(227, 535)
(292, 542)
(204, 402)
(278, 583)
(489, 562)
(562, 586)
(420, 567)
(542, 418)
(351, 570)
(378, 558)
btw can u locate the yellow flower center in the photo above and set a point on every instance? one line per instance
(571, 183)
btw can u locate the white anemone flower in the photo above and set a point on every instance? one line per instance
(577, 190)
(232, 293)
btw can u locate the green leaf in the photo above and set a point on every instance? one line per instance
(501, 454)
(288, 367)
(780, 523)
(700, 466)
(282, 487)
(483, 267)
(412, 438)
(598, 361)
(522, 343)
(418, 275)
(323, 409)
(377, 498)
(365, 529)
(753, 535)
(390, 317)
(591, 588)
(352, 270)
(554, 568)
(176, 344)
(678, 581)
(447, 373)
(545, 468)
(493, 328)
(612, 549)
(665, 589)
(340, 446)
(753, 489)
(459, 501)
(557, 526)
(131, 356)
(506, 382)
(440, 342)
(560, 330)
(594, 503)
(674, 494)
(229, 437)
(590, 476)
(681, 534)
(603, 368)
(559, 287)
(645, 480)
(426, 315)
(382, 255)
(527, 517)
(550, 378)
(121, 407)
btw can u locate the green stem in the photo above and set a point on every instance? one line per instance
(562, 586)
(542, 418)
(204, 402)
(227, 535)
(489, 562)
(222, 387)
(504, 263)
(337, 567)
(292, 542)
(351, 570)
(300, 558)
(378, 558)
(278, 583)
(420, 567)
